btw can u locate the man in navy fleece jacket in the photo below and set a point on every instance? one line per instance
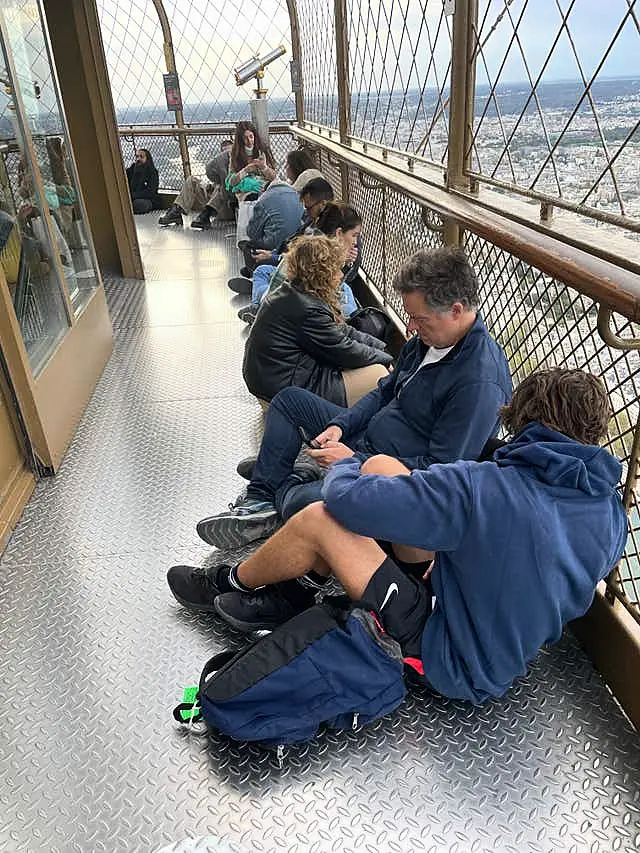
(440, 404)
(521, 541)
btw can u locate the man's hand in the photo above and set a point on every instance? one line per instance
(329, 453)
(331, 433)
(262, 256)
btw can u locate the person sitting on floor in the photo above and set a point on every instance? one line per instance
(251, 165)
(275, 219)
(300, 168)
(440, 404)
(206, 197)
(313, 195)
(143, 180)
(220, 203)
(300, 337)
(335, 219)
(520, 543)
(282, 214)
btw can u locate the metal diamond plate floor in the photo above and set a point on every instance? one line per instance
(95, 652)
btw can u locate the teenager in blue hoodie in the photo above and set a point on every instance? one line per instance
(520, 542)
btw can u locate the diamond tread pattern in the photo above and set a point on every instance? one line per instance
(95, 651)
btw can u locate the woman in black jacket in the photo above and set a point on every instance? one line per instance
(299, 336)
(143, 182)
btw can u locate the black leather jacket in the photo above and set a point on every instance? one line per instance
(294, 340)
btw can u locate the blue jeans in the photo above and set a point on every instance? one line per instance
(273, 478)
(347, 300)
(261, 278)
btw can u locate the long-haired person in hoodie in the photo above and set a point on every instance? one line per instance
(520, 541)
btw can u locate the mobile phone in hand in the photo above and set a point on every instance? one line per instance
(307, 439)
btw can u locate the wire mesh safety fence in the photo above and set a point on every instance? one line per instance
(400, 62)
(540, 322)
(557, 106)
(318, 61)
(394, 226)
(209, 40)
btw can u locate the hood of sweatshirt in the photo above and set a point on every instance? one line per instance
(561, 461)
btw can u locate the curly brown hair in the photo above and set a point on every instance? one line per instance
(573, 402)
(313, 265)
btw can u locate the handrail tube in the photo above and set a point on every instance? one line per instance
(190, 129)
(618, 219)
(296, 53)
(599, 279)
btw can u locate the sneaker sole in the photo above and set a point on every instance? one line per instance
(201, 227)
(227, 532)
(238, 624)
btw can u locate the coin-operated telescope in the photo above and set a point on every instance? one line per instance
(254, 67)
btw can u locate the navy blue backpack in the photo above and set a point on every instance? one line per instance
(331, 664)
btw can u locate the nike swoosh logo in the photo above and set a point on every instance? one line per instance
(393, 587)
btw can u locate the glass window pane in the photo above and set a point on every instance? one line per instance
(45, 122)
(25, 248)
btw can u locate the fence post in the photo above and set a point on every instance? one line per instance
(296, 55)
(461, 106)
(170, 60)
(344, 89)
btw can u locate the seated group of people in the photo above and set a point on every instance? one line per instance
(471, 552)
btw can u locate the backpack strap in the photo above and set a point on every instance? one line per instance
(212, 665)
(217, 662)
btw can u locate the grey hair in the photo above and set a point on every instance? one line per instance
(442, 276)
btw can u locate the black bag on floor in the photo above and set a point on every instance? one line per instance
(371, 320)
(330, 665)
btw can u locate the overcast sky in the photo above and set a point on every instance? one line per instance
(211, 37)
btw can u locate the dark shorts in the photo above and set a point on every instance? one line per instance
(402, 604)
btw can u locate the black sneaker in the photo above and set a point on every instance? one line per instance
(240, 285)
(262, 610)
(245, 467)
(173, 216)
(248, 313)
(202, 221)
(246, 520)
(197, 588)
(246, 272)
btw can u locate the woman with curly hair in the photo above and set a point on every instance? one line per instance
(299, 336)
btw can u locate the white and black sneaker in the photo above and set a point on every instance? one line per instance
(246, 520)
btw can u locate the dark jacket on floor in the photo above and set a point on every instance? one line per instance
(446, 412)
(295, 340)
(521, 544)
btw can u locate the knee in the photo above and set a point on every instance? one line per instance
(312, 521)
(387, 466)
(288, 396)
